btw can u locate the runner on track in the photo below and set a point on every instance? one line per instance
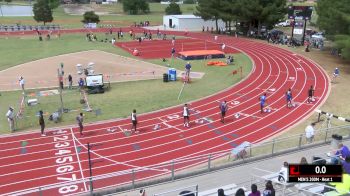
(289, 98)
(262, 102)
(311, 93)
(223, 109)
(133, 120)
(186, 115)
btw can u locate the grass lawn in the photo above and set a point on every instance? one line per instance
(118, 17)
(120, 100)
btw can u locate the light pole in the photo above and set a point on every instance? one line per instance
(60, 74)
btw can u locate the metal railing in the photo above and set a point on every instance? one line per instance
(184, 167)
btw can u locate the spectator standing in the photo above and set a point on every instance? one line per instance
(80, 120)
(188, 70)
(11, 119)
(335, 74)
(21, 83)
(255, 191)
(310, 132)
(81, 83)
(269, 190)
(42, 122)
(186, 115)
(70, 81)
(133, 120)
(223, 110)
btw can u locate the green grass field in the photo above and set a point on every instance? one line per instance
(118, 17)
(120, 100)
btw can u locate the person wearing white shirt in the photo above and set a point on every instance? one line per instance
(10, 118)
(186, 115)
(133, 120)
(223, 46)
(21, 83)
(310, 132)
(283, 173)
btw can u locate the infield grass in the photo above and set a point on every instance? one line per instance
(144, 96)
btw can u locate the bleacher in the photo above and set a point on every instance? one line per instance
(229, 189)
(16, 27)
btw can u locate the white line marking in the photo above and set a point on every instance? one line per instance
(76, 152)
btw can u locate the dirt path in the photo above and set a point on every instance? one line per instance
(43, 73)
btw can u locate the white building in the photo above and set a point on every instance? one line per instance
(167, 2)
(189, 22)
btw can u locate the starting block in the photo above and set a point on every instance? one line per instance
(267, 110)
(199, 121)
(111, 130)
(156, 127)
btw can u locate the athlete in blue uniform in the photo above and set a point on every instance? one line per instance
(289, 98)
(262, 102)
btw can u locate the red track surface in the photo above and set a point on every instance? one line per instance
(38, 162)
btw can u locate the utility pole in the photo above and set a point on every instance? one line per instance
(90, 168)
(59, 75)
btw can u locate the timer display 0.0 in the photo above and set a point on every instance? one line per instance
(315, 173)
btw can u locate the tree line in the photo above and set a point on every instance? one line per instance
(253, 13)
(334, 19)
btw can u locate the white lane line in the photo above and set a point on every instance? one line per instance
(76, 152)
(304, 84)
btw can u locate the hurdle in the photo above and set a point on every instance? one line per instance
(329, 116)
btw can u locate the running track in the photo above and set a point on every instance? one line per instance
(28, 161)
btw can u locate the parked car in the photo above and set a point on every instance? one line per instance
(284, 24)
(319, 35)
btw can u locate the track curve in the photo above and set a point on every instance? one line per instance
(151, 152)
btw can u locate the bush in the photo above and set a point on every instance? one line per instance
(173, 9)
(91, 17)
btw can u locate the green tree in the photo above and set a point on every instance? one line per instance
(262, 12)
(173, 9)
(210, 10)
(90, 17)
(334, 19)
(8, 1)
(54, 4)
(135, 6)
(42, 11)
